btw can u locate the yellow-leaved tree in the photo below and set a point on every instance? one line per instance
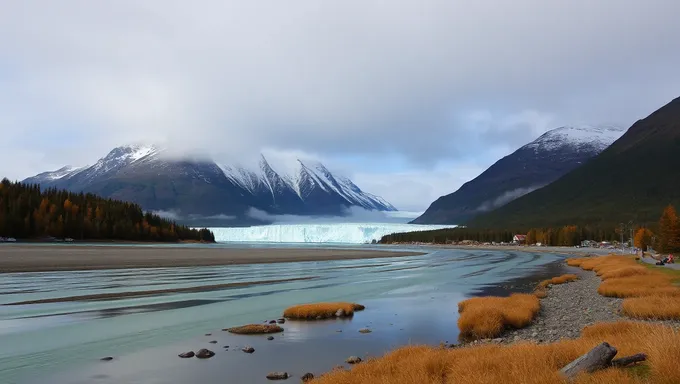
(643, 238)
(669, 238)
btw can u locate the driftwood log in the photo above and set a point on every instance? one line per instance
(599, 357)
(628, 360)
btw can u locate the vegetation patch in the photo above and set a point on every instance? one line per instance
(526, 363)
(558, 280)
(486, 317)
(255, 329)
(318, 311)
(650, 292)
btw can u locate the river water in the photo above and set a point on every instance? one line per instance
(409, 300)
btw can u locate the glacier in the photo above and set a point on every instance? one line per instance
(339, 233)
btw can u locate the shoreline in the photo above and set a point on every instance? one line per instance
(47, 258)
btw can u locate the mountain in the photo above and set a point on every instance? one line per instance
(204, 191)
(533, 166)
(633, 179)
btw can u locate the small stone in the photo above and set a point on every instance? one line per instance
(281, 320)
(226, 346)
(204, 353)
(272, 321)
(277, 375)
(340, 313)
(365, 330)
(319, 317)
(270, 338)
(497, 340)
(535, 334)
(186, 355)
(248, 349)
(107, 358)
(339, 330)
(208, 334)
(353, 360)
(212, 341)
(516, 338)
(307, 377)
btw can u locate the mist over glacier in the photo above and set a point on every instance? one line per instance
(338, 233)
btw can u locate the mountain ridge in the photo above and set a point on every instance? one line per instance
(145, 175)
(531, 167)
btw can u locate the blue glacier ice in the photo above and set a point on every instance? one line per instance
(342, 233)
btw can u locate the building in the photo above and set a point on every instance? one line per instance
(588, 243)
(519, 239)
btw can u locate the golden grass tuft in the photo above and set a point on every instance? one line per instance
(558, 280)
(486, 317)
(525, 362)
(654, 307)
(321, 310)
(255, 329)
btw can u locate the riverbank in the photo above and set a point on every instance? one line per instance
(43, 258)
(524, 248)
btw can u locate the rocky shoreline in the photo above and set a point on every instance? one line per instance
(566, 310)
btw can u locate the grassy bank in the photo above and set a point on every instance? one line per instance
(317, 311)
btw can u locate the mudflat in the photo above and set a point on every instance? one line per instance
(41, 258)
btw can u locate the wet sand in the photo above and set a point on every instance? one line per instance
(28, 258)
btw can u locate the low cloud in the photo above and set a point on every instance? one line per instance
(506, 197)
(350, 215)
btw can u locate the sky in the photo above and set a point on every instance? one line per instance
(410, 99)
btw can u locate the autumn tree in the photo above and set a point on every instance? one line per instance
(669, 235)
(643, 238)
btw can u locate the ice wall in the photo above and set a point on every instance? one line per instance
(345, 233)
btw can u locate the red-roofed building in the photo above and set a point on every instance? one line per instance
(519, 239)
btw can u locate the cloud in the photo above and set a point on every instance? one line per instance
(506, 197)
(427, 82)
(351, 215)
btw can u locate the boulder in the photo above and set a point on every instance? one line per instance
(186, 355)
(270, 338)
(307, 377)
(204, 353)
(248, 349)
(277, 375)
(272, 321)
(365, 330)
(353, 360)
(212, 341)
(107, 358)
(281, 320)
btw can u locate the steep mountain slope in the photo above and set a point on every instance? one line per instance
(210, 192)
(533, 166)
(633, 179)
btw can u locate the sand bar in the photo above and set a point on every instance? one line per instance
(42, 258)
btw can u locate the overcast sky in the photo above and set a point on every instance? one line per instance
(408, 98)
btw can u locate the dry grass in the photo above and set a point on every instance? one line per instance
(255, 329)
(320, 310)
(650, 292)
(485, 317)
(524, 363)
(558, 280)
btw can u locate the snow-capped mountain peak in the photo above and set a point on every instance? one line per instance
(587, 136)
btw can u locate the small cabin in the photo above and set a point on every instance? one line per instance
(519, 239)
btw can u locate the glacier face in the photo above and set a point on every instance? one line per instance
(345, 233)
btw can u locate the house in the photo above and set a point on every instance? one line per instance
(519, 239)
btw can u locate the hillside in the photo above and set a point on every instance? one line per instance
(532, 166)
(27, 212)
(204, 192)
(633, 179)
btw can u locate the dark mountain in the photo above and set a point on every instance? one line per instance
(531, 167)
(633, 179)
(204, 192)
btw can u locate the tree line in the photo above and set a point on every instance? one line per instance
(667, 240)
(27, 212)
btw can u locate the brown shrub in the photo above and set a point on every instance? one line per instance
(322, 310)
(558, 280)
(485, 317)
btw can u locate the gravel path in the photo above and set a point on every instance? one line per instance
(567, 309)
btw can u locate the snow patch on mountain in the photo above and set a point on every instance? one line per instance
(589, 137)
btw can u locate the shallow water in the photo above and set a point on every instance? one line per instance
(408, 299)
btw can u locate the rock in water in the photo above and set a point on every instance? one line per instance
(107, 358)
(364, 330)
(277, 375)
(272, 321)
(307, 377)
(353, 360)
(248, 349)
(340, 313)
(281, 320)
(186, 355)
(270, 338)
(204, 353)
(213, 342)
